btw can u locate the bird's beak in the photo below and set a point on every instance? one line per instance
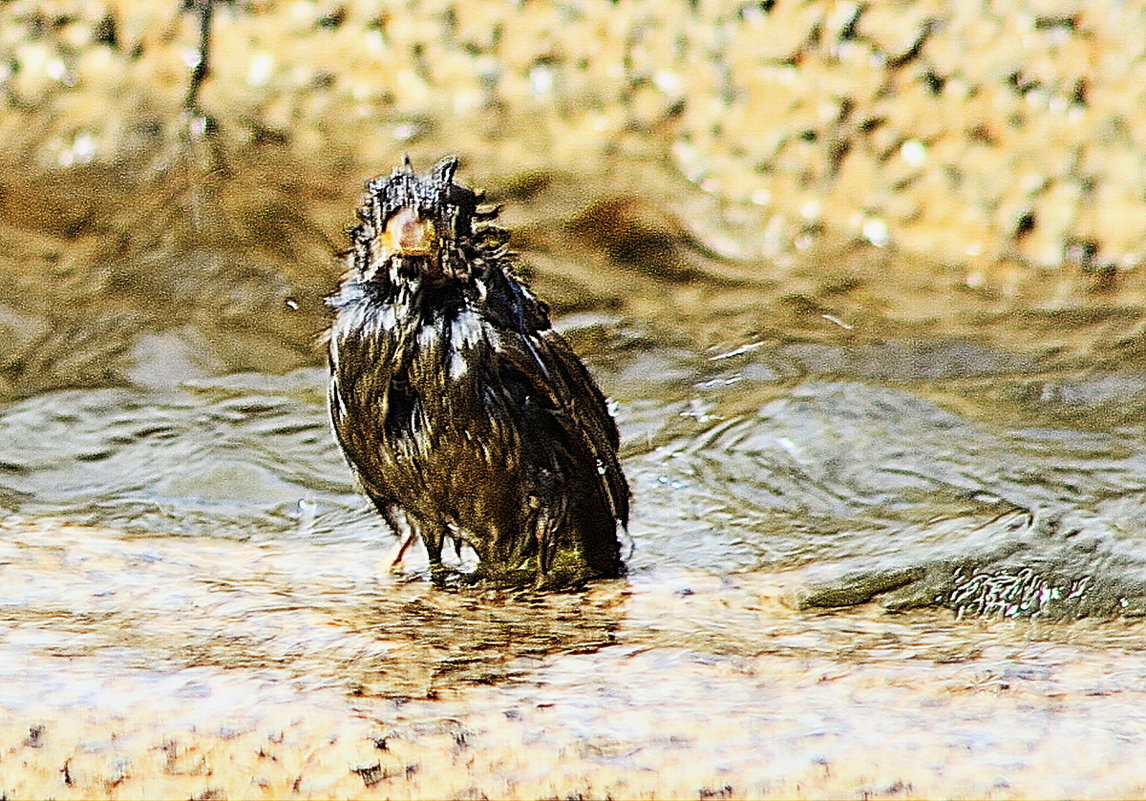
(407, 234)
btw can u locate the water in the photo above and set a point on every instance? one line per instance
(882, 522)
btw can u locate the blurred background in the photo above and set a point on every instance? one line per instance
(738, 169)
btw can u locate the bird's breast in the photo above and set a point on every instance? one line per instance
(440, 353)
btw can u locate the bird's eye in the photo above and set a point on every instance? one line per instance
(407, 233)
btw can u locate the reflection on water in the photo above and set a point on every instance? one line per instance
(183, 542)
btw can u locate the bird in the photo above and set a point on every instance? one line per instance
(465, 416)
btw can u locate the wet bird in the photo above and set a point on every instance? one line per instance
(465, 416)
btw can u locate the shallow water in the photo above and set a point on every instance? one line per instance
(184, 547)
(733, 469)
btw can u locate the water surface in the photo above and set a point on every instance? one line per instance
(886, 531)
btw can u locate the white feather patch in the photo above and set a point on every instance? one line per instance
(458, 366)
(362, 317)
(387, 317)
(429, 333)
(467, 329)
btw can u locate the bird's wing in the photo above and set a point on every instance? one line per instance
(579, 406)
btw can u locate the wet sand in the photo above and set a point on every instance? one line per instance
(138, 667)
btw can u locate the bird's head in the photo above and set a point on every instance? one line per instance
(425, 229)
